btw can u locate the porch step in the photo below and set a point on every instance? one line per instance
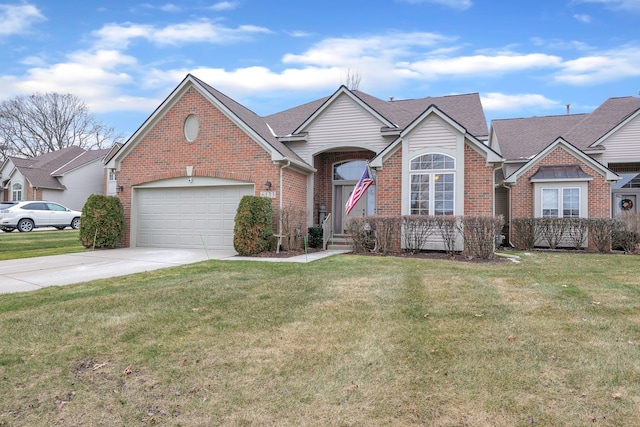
(339, 242)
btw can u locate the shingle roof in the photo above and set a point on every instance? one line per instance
(465, 109)
(83, 159)
(41, 171)
(603, 119)
(523, 138)
(252, 120)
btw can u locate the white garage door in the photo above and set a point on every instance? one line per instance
(188, 217)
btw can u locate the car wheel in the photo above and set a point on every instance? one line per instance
(7, 229)
(75, 224)
(25, 225)
(61, 228)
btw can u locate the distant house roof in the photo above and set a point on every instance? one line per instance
(42, 171)
(521, 139)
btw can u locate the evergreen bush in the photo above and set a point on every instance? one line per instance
(315, 237)
(102, 224)
(253, 230)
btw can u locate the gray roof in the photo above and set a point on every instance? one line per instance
(83, 159)
(41, 171)
(523, 138)
(252, 120)
(559, 172)
(464, 109)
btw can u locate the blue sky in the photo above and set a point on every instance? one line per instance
(123, 57)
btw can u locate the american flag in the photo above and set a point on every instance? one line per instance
(359, 190)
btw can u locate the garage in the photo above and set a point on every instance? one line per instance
(187, 217)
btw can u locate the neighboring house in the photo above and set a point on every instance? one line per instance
(67, 176)
(182, 174)
(574, 165)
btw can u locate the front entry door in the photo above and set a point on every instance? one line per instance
(342, 194)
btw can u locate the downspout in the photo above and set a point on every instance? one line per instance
(281, 203)
(508, 187)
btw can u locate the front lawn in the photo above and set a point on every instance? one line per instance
(344, 341)
(16, 245)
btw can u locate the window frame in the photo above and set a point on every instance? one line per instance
(560, 202)
(18, 191)
(434, 175)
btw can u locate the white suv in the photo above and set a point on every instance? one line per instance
(27, 215)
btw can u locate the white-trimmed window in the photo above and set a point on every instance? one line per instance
(432, 178)
(561, 202)
(16, 192)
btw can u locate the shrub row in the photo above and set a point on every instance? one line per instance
(622, 232)
(383, 234)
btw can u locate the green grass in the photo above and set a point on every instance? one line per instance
(344, 341)
(16, 245)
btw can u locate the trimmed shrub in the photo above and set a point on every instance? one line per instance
(102, 224)
(293, 221)
(600, 230)
(523, 233)
(253, 230)
(552, 230)
(480, 235)
(386, 230)
(416, 231)
(626, 232)
(448, 228)
(362, 233)
(315, 237)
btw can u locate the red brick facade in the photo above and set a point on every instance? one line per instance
(599, 190)
(478, 184)
(221, 150)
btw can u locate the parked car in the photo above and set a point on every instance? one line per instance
(27, 215)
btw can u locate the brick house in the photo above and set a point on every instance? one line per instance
(573, 165)
(182, 173)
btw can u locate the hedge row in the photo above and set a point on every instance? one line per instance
(384, 234)
(621, 233)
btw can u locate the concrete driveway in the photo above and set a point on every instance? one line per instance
(29, 274)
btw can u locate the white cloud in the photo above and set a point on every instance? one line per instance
(201, 31)
(97, 78)
(350, 51)
(18, 19)
(454, 4)
(224, 5)
(581, 17)
(604, 67)
(494, 101)
(482, 64)
(625, 5)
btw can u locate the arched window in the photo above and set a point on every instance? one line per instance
(16, 192)
(432, 184)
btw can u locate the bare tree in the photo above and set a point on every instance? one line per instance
(40, 123)
(353, 80)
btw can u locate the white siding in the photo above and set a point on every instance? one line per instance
(624, 145)
(433, 135)
(80, 183)
(344, 123)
